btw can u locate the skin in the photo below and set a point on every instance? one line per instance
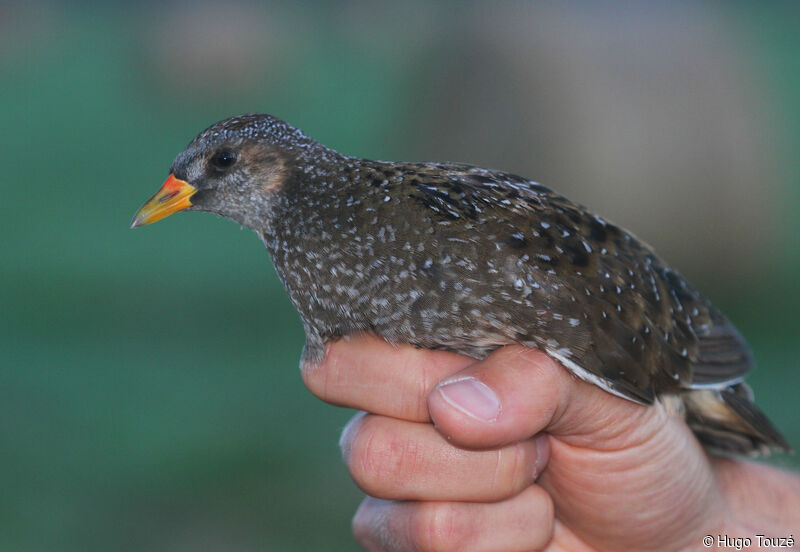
(561, 465)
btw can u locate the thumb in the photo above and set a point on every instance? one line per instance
(517, 392)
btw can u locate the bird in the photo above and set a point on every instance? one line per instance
(461, 258)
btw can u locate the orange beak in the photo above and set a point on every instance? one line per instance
(172, 197)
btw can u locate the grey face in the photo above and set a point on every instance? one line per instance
(234, 178)
(209, 166)
(239, 164)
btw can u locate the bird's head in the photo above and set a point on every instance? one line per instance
(233, 169)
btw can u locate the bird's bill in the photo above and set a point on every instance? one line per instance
(172, 197)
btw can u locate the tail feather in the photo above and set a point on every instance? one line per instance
(727, 421)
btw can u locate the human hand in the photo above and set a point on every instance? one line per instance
(451, 449)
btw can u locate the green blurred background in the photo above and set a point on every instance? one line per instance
(149, 391)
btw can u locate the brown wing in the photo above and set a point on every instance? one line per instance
(606, 305)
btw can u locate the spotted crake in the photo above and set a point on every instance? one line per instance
(456, 257)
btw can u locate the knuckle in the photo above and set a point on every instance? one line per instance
(514, 469)
(318, 376)
(375, 524)
(545, 517)
(424, 385)
(549, 513)
(349, 432)
(361, 525)
(314, 377)
(435, 527)
(379, 458)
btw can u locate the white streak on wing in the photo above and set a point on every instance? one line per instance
(585, 375)
(719, 384)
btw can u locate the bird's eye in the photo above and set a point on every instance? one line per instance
(224, 159)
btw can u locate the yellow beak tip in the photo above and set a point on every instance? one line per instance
(137, 222)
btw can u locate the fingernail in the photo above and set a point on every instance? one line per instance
(542, 455)
(472, 397)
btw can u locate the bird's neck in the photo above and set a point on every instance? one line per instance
(309, 215)
(318, 238)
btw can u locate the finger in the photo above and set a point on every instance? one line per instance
(402, 460)
(367, 373)
(517, 392)
(524, 522)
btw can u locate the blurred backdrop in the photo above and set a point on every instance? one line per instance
(149, 391)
